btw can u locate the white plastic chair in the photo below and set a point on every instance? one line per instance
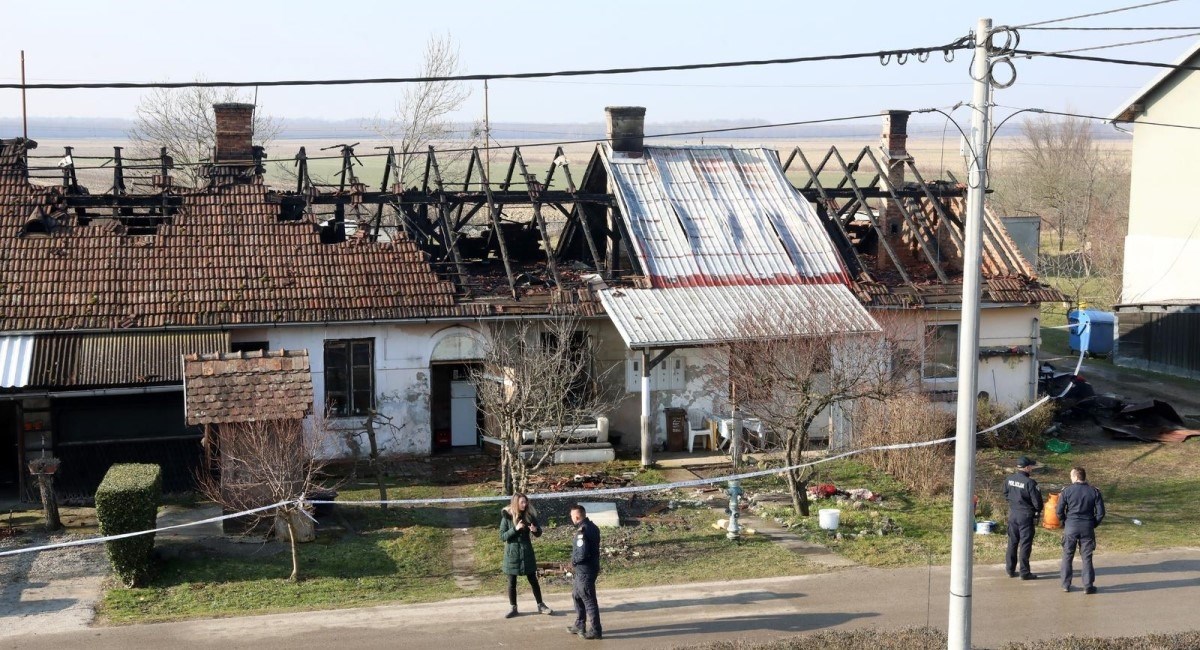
(698, 428)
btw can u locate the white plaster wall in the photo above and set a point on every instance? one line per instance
(402, 382)
(1160, 261)
(1009, 381)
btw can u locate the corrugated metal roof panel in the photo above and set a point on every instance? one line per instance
(693, 316)
(136, 358)
(717, 216)
(16, 356)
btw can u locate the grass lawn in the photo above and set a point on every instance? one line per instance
(404, 555)
(1154, 483)
(398, 555)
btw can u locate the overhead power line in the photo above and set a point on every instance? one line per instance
(1124, 44)
(530, 144)
(921, 53)
(1113, 29)
(1104, 59)
(1092, 15)
(1047, 111)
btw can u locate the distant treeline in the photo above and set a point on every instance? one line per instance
(105, 128)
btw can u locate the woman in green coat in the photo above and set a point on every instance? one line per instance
(518, 521)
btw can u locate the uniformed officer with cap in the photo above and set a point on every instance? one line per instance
(1024, 508)
(585, 563)
(1081, 509)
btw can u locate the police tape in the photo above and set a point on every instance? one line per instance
(110, 538)
(635, 489)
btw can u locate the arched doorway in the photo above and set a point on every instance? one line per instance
(454, 413)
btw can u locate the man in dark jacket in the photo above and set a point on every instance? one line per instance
(1081, 509)
(1024, 508)
(585, 562)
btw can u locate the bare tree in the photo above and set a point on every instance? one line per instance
(422, 117)
(538, 380)
(1080, 189)
(263, 463)
(182, 120)
(788, 382)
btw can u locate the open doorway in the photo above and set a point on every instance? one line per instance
(10, 455)
(454, 412)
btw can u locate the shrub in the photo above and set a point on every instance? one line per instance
(905, 418)
(1029, 432)
(127, 501)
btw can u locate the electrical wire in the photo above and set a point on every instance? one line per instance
(532, 144)
(1113, 29)
(1092, 15)
(884, 56)
(1193, 127)
(1104, 59)
(1127, 43)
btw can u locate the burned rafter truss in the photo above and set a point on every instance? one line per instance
(840, 201)
(440, 214)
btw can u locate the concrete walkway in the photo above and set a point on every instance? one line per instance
(1139, 594)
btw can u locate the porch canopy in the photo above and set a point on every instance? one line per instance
(700, 316)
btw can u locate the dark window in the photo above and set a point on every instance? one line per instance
(941, 352)
(577, 357)
(249, 346)
(349, 376)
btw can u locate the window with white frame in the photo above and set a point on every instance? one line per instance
(349, 376)
(940, 357)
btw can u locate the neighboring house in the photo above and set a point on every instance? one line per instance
(102, 295)
(1159, 315)
(722, 237)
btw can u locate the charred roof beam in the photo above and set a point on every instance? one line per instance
(922, 234)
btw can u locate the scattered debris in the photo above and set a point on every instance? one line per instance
(1149, 421)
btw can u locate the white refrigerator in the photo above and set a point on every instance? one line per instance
(463, 419)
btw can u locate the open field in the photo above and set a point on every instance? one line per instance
(932, 155)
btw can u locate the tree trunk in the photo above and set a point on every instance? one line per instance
(383, 496)
(506, 472)
(49, 501)
(295, 577)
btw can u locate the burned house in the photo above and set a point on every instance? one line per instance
(657, 249)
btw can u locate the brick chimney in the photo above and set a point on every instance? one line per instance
(235, 131)
(626, 128)
(894, 144)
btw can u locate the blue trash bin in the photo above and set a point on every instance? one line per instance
(1092, 331)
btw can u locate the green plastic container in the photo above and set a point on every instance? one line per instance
(1054, 445)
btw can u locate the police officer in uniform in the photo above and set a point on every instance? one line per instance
(1024, 509)
(585, 560)
(1081, 509)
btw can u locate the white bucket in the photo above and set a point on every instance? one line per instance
(828, 518)
(984, 527)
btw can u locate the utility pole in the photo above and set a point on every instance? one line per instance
(962, 535)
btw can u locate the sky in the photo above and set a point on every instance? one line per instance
(154, 40)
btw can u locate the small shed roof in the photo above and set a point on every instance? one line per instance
(247, 386)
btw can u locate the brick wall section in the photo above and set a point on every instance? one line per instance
(235, 132)
(247, 386)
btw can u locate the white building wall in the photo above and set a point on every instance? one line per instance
(1162, 249)
(402, 381)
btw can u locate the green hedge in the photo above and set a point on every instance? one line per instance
(127, 501)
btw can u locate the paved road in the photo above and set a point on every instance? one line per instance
(1138, 594)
